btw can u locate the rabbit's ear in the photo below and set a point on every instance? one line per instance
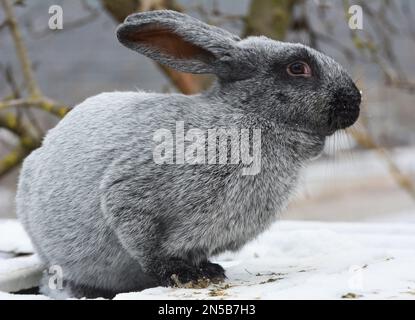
(178, 40)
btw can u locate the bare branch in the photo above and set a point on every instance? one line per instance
(10, 122)
(11, 81)
(13, 122)
(26, 143)
(13, 159)
(20, 49)
(41, 103)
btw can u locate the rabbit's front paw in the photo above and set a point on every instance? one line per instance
(213, 271)
(178, 273)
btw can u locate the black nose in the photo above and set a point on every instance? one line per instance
(345, 108)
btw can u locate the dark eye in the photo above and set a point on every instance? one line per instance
(299, 69)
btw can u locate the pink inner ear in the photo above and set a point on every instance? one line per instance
(169, 43)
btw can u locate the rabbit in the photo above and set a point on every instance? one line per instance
(95, 202)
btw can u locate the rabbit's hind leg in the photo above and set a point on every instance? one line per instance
(83, 291)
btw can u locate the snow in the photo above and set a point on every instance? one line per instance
(295, 260)
(20, 273)
(13, 238)
(308, 260)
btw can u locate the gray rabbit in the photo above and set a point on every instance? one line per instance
(96, 203)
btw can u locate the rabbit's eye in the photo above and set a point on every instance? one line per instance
(299, 69)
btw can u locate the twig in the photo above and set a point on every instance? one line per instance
(13, 159)
(16, 94)
(20, 49)
(9, 121)
(41, 103)
(27, 140)
(26, 143)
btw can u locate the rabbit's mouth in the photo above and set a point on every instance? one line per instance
(342, 117)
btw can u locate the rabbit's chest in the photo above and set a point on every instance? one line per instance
(254, 205)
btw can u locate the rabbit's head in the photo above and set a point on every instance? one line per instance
(294, 85)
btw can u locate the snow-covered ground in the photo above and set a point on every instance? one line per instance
(292, 260)
(370, 258)
(305, 260)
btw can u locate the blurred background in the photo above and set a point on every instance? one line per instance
(366, 173)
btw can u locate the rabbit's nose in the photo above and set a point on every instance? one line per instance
(349, 98)
(345, 108)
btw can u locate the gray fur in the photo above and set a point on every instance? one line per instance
(94, 202)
